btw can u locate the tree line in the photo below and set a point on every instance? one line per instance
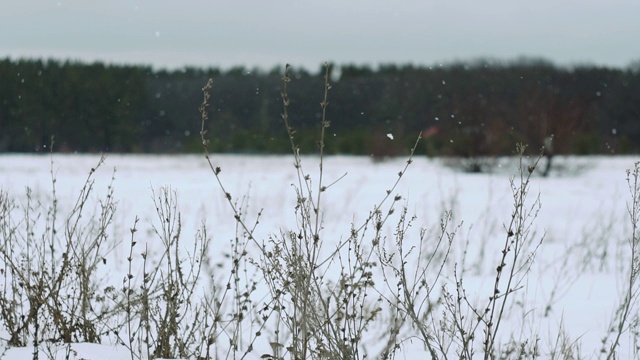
(470, 109)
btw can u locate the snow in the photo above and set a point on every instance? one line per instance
(583, 220)
(71, 352)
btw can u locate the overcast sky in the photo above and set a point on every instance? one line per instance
(265, 33)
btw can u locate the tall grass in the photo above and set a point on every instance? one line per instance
(385, 285)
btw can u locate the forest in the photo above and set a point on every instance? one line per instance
(469, 109)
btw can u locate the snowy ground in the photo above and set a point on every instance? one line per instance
(583, 214)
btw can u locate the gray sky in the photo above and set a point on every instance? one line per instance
(266, 33)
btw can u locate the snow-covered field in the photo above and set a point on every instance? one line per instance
(575, 283)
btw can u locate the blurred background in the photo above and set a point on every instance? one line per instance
(474, 78)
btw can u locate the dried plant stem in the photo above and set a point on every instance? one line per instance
(632, 289)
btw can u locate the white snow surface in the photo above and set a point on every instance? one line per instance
(583, 211)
